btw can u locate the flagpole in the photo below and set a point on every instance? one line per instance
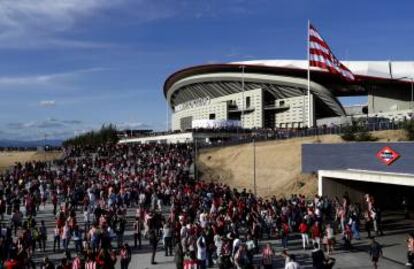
(309, 92)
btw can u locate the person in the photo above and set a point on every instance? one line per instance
(375, 251)
(318, 257)
(410, 250)
(330, 239)
(368, 223)
(179, 256)
(404, 205)
(125, 255)
(316, 233)
(347, 237)
(137, 233)
(47, 264)
(378, 222)
(201, 252)
(11, 263)
(291, 262)
(64, 264)
(43, 235)
(267, 256)
(167, 238)
(250, 248)
(66, 237)
(303, 229)
(284, 234)
(77, 263)
(90, 262)
(240, 258)
(77, 239)
(153, 240)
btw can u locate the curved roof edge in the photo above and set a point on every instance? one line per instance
(364, 71)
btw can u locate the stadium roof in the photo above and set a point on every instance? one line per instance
(366, 73)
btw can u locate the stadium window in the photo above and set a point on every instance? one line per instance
(212, 116)
(248, 102)
(281, 103)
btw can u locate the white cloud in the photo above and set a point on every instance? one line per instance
(132, 125)
(51, 15)
(47, 103)
(45, 78)
(41, 23)
(50, 123)
(36, 22)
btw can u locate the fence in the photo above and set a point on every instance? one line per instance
(267, 135)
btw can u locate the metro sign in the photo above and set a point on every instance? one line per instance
(387, 155)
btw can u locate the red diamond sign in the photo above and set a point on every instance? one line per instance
(387, 155)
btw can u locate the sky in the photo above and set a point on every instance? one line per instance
(69, 66)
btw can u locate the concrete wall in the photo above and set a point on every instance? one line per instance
(356, 156)
(333, 187)
(388, 100)
(218, 106)
(355, 190)
(296, 115)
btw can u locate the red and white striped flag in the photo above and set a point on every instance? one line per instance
(320, 55)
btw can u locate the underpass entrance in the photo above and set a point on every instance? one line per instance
(389, 189)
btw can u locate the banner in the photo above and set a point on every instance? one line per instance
(215, 124)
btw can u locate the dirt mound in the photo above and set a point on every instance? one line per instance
(278, 164)
(9, 158)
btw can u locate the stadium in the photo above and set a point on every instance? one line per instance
(273, 94)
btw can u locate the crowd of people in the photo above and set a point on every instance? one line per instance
(201, 224)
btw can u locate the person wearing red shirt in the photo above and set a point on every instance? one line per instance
(303, 229)
(10, 264)
(316, 233)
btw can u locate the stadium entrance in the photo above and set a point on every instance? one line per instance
(390, 189)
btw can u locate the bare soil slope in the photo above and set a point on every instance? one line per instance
(8, 159)
(278, 164)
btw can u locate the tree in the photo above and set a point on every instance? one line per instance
(106, 135)
(357, 131)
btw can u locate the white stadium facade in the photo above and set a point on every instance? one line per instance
(273, 94)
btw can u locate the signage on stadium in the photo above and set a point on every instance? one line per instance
(215, 124)
(387, 155)
(192, 104)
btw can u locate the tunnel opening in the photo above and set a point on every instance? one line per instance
(387, 196)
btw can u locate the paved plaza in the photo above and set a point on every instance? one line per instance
(393, 242)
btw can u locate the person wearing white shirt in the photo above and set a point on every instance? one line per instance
(201, 252)
(291, 263)
(236, 245)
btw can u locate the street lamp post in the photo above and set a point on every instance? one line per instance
(195, 158)
(254, 165)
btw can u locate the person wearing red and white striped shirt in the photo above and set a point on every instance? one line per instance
(77, 264)
(267, 257)
(90, 263)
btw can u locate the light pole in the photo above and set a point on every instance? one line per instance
(254, 164)
(195, 157)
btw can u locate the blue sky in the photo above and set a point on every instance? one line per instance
(68, 66)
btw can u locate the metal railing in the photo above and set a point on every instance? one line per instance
(283, 134)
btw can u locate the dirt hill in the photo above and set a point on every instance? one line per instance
(9, 158)
(278, 164)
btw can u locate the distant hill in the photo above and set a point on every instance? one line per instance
(30, 144)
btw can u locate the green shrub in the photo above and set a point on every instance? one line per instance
(409, 129)
(357, 131)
